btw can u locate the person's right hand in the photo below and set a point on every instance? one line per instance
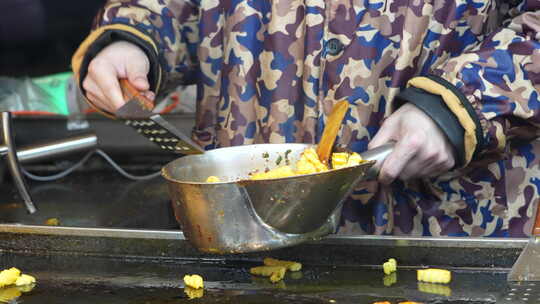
(120, 59)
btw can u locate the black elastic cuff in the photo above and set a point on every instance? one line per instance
(434, 106)
(467, 105)
(111, 36)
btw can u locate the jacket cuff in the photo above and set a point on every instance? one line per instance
(463, 111)
(103, 36)
(434, 106)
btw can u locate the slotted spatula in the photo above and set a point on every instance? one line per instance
(137, 113)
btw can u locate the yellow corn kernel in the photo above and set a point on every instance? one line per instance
(7, 295)
(385, 302)
(433, 275)
(438, 289)
(292, 266)
(311, 155)
(354, 160)
(303, 166)
(339, 160)
(279, 172)
(193, 293)
(25, 279)
(194, 281)
(390, 266)
(213, 179)
(276, 273)
(9, 276)
(52, 222)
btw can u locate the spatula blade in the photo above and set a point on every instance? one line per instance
(527, 266)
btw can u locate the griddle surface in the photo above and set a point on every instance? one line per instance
(80, 280)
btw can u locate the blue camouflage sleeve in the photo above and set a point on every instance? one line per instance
(493, 88)
(166, 30)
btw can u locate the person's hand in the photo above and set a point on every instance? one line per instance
(421, 149)
(120, 59)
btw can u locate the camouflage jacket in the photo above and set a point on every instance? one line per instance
(270, 71)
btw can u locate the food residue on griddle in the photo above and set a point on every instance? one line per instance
(433, 275)
(275, 269)
(53, 221)
(194, 281)
(390, 266)
(13, 284)
(290, 265)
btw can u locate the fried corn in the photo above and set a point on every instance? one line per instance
(339, 160)
(279, 172)
(52, 222)
(25, 279)
(311, 156)
(354, 160)
(292, 266)
(433, 275)
(390, 266)
(213, 179)
(9, 276)
(194, 281)
(276, 273)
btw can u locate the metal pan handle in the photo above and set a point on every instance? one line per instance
(378, 154)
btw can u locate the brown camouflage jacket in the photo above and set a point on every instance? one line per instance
(270, 71)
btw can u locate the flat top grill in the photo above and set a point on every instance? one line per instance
(143, 259)
(72, 279)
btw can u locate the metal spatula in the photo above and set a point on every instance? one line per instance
(527, 266)
(137, 113)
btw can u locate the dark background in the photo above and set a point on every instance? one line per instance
(38, 37)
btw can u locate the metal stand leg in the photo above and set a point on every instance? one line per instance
(7, 147)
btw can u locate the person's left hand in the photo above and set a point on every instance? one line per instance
(421, 149)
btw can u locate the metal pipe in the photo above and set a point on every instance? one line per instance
(57, 148)
(13, 163)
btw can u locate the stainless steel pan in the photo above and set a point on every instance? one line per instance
(241, 215)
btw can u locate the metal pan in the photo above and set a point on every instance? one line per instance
(241, 215)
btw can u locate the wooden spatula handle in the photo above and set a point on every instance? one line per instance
(130, 92)
(536, 230)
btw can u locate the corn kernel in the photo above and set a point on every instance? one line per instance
(276, 273)
(292, 266)
(279, 172)
(9, 276)
(25, 279)
(390, 266)
(339, 160)
(354, 160)
(213, 179)
(194, 281)
(433, 275)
